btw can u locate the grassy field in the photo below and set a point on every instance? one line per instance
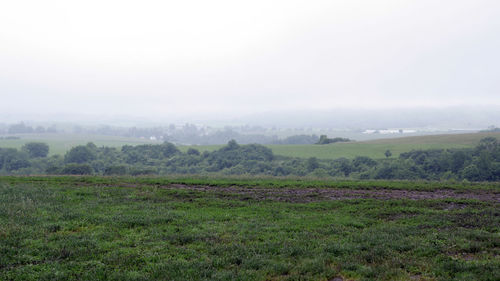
(98, 228)
(376, 149)
(373, 149)
(60, 143)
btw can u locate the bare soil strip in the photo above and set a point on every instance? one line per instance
(303, 195)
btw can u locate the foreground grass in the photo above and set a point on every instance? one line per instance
(94, 228)
(250, 182)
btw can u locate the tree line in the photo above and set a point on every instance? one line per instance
(481, 163)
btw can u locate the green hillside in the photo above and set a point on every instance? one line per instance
(376, 148)
(60, 143)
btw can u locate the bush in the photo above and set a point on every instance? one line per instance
(11, 159)
(116, 170)
(36, 149)
(77, 169)
(192, 151)
(79, 154)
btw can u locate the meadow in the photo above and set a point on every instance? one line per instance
(147, 228)
(61, 143)
(375, 148)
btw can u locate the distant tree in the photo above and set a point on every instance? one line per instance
(147, 152)
(53, 170)
(77, 169)
(20, 128)
(51, 129)
(39, 130)
(323, 139)
(388, 153)
(343, 165)
(11, 159)
(491, 128)
(312, 164)
(299, 139)
(471, 173)
(488, 144)
(231, 145)
(458, 160)
(385, 172)
(169, 149)
(79, 154)
(192, 151)
(36, 149)
(116, 170)
(363, 160)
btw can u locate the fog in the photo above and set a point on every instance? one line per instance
(269, 62)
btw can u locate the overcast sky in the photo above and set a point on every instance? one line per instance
(162, 58)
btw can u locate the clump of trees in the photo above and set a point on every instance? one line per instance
(481, 163)
(36, 149)
(323, 139)
(21, 128)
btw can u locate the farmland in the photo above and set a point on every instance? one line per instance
(147, 228)
(61, 143)
(376, 148)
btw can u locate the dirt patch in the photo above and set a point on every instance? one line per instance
(322, 194)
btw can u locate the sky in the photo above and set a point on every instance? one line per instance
(159, 59)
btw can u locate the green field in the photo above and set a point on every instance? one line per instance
(60, 143)
(374, 149)
(98, 228)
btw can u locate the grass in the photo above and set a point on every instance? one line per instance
(376, 148)
(251, 182)
(97, 228)
(60, 143)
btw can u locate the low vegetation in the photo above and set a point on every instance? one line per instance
(108, 228)
(481, 163)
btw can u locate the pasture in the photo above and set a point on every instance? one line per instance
(101, 228)
(374, 149)
(61, 143)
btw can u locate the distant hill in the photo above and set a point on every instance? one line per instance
(376, 148)
(445, 139)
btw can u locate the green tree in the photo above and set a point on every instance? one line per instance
(323, 139)
(312, 164)
(192, 151)
(388, 153)
(77, 169)
(36, 149)
(80, 154)
(489, 144)
(11, 159)
(116, 170)
(471, 173)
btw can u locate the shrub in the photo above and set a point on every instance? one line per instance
(77, 169)
(36, 149)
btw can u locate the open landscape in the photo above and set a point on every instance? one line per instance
(62, 143)
(283, 140)
(102, 228)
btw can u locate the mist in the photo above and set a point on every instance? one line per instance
(286, 63)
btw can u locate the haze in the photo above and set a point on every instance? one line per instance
(228, 59)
